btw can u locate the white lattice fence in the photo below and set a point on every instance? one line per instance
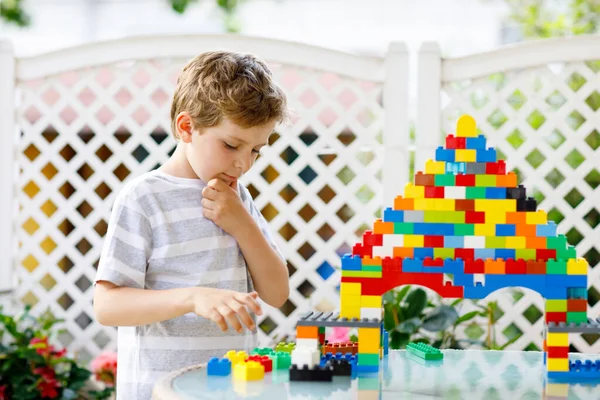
(538, 106)
(94, 120)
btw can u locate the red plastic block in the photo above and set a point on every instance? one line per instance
(265, 361)
(429, 262)
(392, 264)
(556, 317)
(434, 192)
(433, 241)
(450, 291)
(558, 352)
(422, 179)
(536, 267)
(359, 250)
(372, 239)
(475, 217)
(465, 180)
(475, 266)
(576, 305)
(545, 254)
(455, 142)
(464, 254)
(495, 168)
(516, 266)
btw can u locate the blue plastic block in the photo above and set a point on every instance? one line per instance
(568, 281)
(495, 193)
(423, 252)
(351, 263)
(577, 293)
(447, 155)
(442, 229)
(477, 143)
(454, 242)
(587, 370)
(506, 254)
(390, 215)
(477, 292)
(454, 266)
(506, 230)
(412, 265)
(386, 343)
(367, 368)
(488, 155)
(484, 254)
(555, 293)
(546, 230)
(456, 168)
(423, 228)
(219, 367)
(533, 282)
(463, 279)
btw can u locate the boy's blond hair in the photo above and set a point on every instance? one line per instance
(219, 84)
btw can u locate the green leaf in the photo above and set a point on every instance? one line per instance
(388, 317)
(416, 301)
(388, 297)
(402, 293)
(456, 302)
(467, 317)
(409, 326)
(440, 318)
(398, 340)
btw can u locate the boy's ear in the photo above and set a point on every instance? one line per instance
(183, 124)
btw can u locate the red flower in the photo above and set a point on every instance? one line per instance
(45, 372)
(48, 388)
(40, 345)
(3, 394)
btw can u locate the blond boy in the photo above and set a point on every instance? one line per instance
(186, 247)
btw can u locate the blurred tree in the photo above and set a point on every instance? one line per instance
(12, 11)
(549, 18)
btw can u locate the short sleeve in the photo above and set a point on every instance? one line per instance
(260, 219)
(127, 244)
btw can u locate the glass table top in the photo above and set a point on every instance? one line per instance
(463, 374)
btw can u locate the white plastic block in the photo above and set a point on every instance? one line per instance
(307, 343)
(396, 240)
(455, 192)
(370, 312)
(305, 356)
(474, 242)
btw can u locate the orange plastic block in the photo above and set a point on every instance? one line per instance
(533, 242)
(576, 305)
(515, 217)
(307, 332)
(380, 227)
(526, 230)
(536, 267)
(495, 266)
(401, 203)
(404, 252)
(509, 180)
(375, 261)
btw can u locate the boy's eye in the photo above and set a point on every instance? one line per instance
(228, 146)
(256, 151)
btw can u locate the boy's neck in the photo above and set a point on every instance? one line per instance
(178, 164)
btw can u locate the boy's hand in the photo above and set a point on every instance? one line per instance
(226, 307)
(222, 205)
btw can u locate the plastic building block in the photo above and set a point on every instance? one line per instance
(306, 374)
(424, 351)
(318, 318)
(340, 367)
(578, 371)
(249, 371)
(236, 356)
(265, 361)
(285, 347)
(305, 356)
(591, 326)
(281, 360)
(219, 367)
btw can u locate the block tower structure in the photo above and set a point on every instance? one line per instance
(464, 229)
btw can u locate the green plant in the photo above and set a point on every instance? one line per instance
(32, 368)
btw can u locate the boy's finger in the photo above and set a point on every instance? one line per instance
(220, 321)
(251, 302)
(209, 193)
(242, 314)
(216, 184)
(230, 317)
(234, 185)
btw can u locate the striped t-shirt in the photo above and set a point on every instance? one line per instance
(157, 238)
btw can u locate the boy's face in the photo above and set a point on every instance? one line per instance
(226, 151)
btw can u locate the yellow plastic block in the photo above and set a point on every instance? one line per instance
(557, 339)
(434, 167)
(236, 356)
(350, 288)
(352, 300)
(421, 204)
(368, 347)
(496, 205)
(414, 241)
(349, 311)
(515, 242)
(370, 301)
(495, 217)
(369, 335)
(413, 192)
(249, 371)
(557, 390)
(465, 155)
(558, 364)
(444, 204)
(485, 230)
(536, 217)
(577, 266)
(466, 127)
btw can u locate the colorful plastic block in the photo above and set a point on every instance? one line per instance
(306, 374)
(219, 367)
(424, 351)
(249, 371)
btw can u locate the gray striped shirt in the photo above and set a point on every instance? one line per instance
(157, 238)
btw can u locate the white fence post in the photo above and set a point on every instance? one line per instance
(428, 127)
(7, 170)
(395, 133)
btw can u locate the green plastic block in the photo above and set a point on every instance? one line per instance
(368, 359)
(526, 254)
(433, 216)
(485, 181)
(556, 305)
(361, 274)
(475, 193)
(495, 242)
(577, 317)
(454, 217)
(424, 351)
(445, 180)
(262, 351)
(404, 228)
(442, 253)
(558, 243)
(281, 360)
(566, 254)
(556, 267)
(464, 230)
(285, 347)
(372, 268)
